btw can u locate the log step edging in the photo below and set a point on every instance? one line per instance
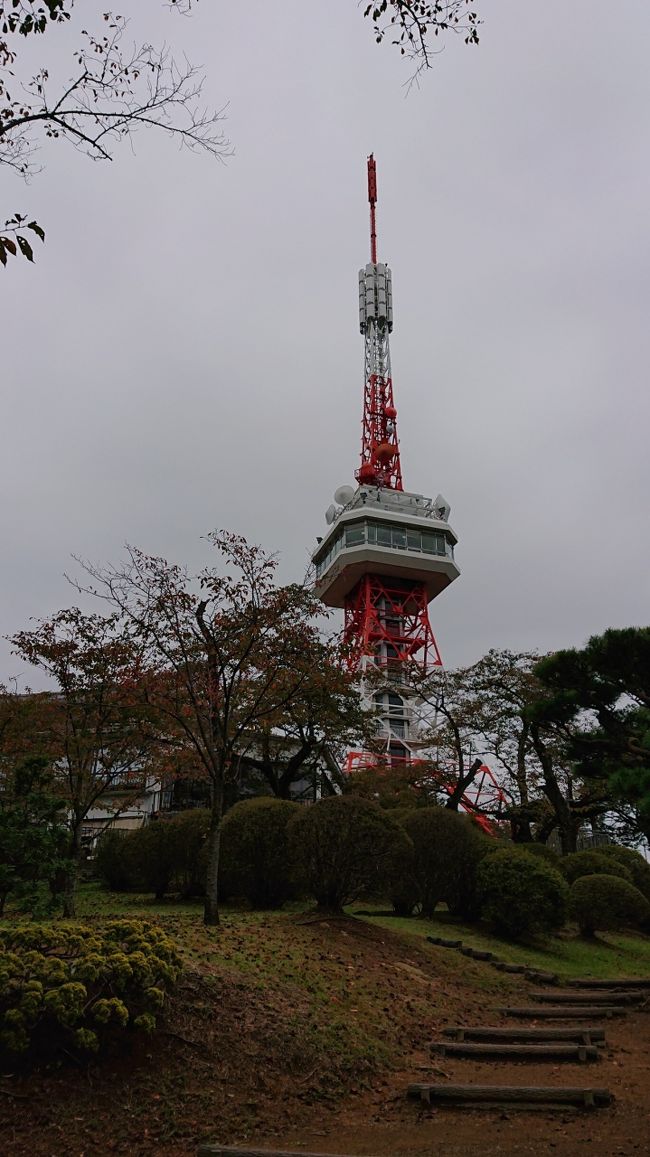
(521, 1096)
(580, 1033)
(209, 1150)
(629, 996)
(500, 1050)
(624, 982)
(563, 1011)
(443, 942)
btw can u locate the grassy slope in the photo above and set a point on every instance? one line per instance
(610, 955)
(277, 1014)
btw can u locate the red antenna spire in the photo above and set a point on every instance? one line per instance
(380, 462)
(372, 197)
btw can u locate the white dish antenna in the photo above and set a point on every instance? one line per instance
(442, 507)
(343, 495)
(330, 514)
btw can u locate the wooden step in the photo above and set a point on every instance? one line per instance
(477, 954)
(623, 982)
(539, 976)
(563, 1011)
(580, 1033)
(609, 996)
(515, 1096)
(506, 966)
(228, 1151)
(442, 942)
(550, 1050)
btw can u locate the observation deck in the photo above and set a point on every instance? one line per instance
(385, 532)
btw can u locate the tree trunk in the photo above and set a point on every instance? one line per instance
(71, 873)
(211, 906)
(567, 824)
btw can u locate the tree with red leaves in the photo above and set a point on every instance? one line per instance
(91, 725)
(233, 655)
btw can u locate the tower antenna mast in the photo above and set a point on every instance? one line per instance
(380, 461)
(372, 197)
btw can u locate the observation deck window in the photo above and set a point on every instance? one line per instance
(394, 536)
(355, 535)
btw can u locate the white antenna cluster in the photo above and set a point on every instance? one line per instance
(342, 496)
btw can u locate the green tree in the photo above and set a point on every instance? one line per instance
(115, 88)
(414, 26)
(600, 695)
(33, 835)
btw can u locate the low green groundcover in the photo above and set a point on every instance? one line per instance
(68, 984)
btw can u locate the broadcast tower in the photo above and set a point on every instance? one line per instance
(387, 552)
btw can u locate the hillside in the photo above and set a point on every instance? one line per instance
(287, 1027)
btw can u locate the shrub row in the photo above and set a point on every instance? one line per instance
(345, 848)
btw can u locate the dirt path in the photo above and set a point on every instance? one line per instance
(385, 1124)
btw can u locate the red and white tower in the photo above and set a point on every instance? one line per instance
(387, 552)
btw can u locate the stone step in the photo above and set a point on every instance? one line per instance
(580, 1033)
(514, 1096)
(549, 1050)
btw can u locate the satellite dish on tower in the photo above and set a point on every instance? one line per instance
(343, 495)
(442, 507)
(330, 514)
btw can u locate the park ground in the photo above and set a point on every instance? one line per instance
(303, 1033)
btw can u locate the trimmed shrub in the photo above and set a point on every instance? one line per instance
(447, 849)
(543, 851)
(255, 848)
(113, 861)
(153, 853)
(590, 863)
(345, 848)
(166, 855)
(521, 894)
(65, 985)
(635, 863)
(190, 834)
(607, 902)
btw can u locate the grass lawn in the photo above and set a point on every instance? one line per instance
(609, 955)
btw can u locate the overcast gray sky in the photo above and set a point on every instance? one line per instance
(185, 353)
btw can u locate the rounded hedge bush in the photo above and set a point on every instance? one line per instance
(601, 902)
(190, 851)
(521, 894)
(346, 848)
(542, 851)
(65, 985)
(166, 855)
(635, 863)
(113, 861)
(591, 863)
(447, 849)
(255, 848)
